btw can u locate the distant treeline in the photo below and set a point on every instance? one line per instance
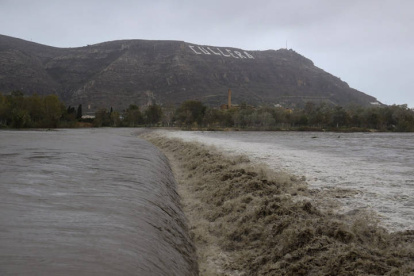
(193, 114)
(18, 111)
(131, 117)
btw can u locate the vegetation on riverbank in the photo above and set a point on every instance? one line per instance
(248, 220)
(194, 115)
(19, 111)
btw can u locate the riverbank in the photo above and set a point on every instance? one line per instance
(248, 220)
(285, 129)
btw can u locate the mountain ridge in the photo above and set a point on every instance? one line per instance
(122, 72)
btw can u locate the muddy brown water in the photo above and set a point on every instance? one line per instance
(377, 167)
(89, 202)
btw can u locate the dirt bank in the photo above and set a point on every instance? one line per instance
(248, 220)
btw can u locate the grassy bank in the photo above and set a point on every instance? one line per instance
(247, 220)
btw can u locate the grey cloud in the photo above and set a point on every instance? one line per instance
(350, 39)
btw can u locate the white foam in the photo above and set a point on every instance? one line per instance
(378, 166)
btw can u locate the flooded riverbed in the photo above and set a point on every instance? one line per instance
(89, 202)
(378, 167)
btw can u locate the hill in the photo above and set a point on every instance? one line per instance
(119, 73)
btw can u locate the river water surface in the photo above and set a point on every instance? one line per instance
(89, 202)
(379, 167)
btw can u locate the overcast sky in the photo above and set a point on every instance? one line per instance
(367, 43)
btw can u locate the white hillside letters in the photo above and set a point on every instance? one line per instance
(200, 50)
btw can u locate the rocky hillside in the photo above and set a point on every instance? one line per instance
(119, 73)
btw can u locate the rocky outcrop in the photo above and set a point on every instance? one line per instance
(120, 73)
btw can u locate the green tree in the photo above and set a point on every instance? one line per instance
(153, 114)
(53, 110)
(115, 119)
(321, 116)
(190, 113)
(371, 118)
(20, 118)
(281, 115)
(168, 114)
(34, 105)
(17, 110)
(340, 117)
(102, 118)
(79, 112)
(19, 115)
(133, 116)
(69, 117)
(266, 119)
(404, 118)
(4, 111)
(302, 119)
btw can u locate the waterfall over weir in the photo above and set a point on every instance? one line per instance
(89, 202)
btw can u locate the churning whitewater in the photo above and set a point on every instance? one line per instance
(371, 171)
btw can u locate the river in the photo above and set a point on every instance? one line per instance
(89, 202)
(378, 167)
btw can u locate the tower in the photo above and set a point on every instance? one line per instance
(229, 100)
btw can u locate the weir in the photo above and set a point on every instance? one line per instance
(89, 202)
